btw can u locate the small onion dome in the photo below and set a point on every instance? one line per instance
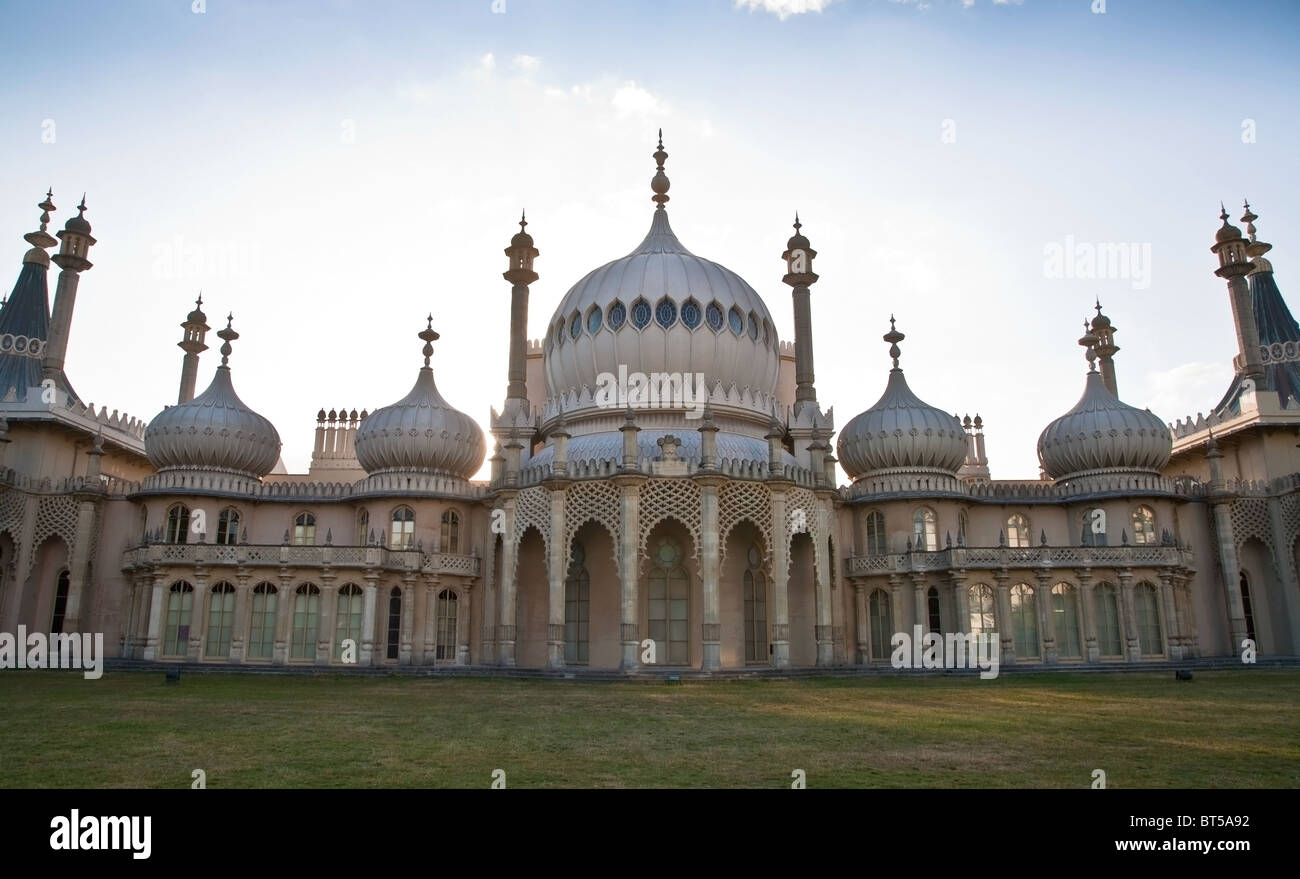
(522, 238)
(1103, 433)
(901, 431)
(798, 241)
(197, 316)
(78, 224)
(1227, 232)
(421, 432)
(214, 431)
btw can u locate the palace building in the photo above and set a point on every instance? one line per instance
(695, 523)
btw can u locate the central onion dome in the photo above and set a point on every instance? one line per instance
(661, 308)
(1101, 433)
(215, 430)
(901, 432)
(421, 432)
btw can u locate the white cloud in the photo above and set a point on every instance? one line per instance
(1186, 389)
(632, 100)
(527, 63)
(783, 9)
(487, 62)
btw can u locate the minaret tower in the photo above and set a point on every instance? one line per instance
(72, 258)
(1234, 264)
(1106, 348)
(798, 258)
(520, 274)
(192, 343)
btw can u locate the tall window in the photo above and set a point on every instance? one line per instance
(450, 531)
(668, 608)
(447, 618)
(932, 606)
(1024, 620)
(577, 608)
(363, 527)
(228, 526)
(61, 587)
(261, 626)
(755, 589)
(982, 619)
(1065, 614)
(963, 527)
(876, 533)
(882, 625)
(304, 530)
(1108, 629)
(180, 607)
(178, 524)
(348, 624)
(394, 623)
(1246, 609)
(306, 614)
(221, 620)
(403, 534)
(925, 530)
(1094, 527)
(1146, 606)
(1017, 530)
(1144, 526)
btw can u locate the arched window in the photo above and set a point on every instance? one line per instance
(925, 530)
(963, 527)
(640, 314)
(221, 620)
(736, 321)
(228, 526)
(617, 314)
(306, 615)
(1144, 526)
(363, 527)
(1146, 606)
(348, 620)
(403, 533)
(178, 524)
(261, 626)
(755, 598)
(1094, 527)
(304, 530)
(982, 620)
(180, 607)
(451, 531)
(1024, 621)
(1065, 614)
(1017, 531)
(593, 320)
(447, 618)
(394, 623)
(1246, 609)
(876, 544)
(1109, 642)
(882, 625)
(577, 608)
(668, 609)
(61, 588)
(666, 313)
(932, 606)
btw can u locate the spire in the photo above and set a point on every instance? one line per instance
(659, 183)
(227, 336)
(40, 239)
(893, 337)
(1255, 249)
(429, 335)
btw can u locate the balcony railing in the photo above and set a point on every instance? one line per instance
(265, 556)
(996, 557)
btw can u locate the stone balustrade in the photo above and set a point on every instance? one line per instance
(155, 555)
(1005, 557)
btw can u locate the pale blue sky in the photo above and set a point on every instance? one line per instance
(225, 133)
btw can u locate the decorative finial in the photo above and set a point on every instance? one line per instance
(1223, 213)
(227, 336)
(1249, 219)
(797, 224)
(659, 183)
(1089, 342)
(523, 219)
(41, 239)
(429, 336)
(81, 208)
(893, 337)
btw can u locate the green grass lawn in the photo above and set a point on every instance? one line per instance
(129, 729)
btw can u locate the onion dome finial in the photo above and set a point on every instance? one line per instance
(659, 183)
(893, 337)
(429, 335)
(227, 336)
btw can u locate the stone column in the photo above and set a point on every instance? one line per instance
(780, 614)
(78, 562)
(825, 631)
(130, 617)
(487, 639)
(429, 655)
(557, 567)
(961, 597)
(1128, 619)
(1006, 631)
(509, 557)
(1046, 619)
(152, 643)
(285, 602)
(1091, 651)
(327, 621)
(629, 567)
(710, 573)
(367, 653)
(464, 624)
(198, 617)
(239, 629)
(1288, 588)
(863, 622)
(895, 605)
(1173, 638)
(920, 604)
(1230, 571)
(405, 649)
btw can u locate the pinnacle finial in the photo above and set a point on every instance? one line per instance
(1089, 341)
(797, 224)
(893, 337)
(227, 336)
(42, 239)
(1249, 218)
(199, 301)
(523, 219)
(659, 183)
(429, 335)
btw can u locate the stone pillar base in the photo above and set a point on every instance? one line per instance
(780, 654)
